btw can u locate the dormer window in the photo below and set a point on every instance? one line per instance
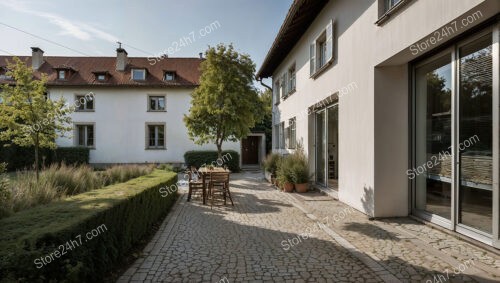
(138, 74)
(61, 75)
(64, 72)
(169, 76)
(101, 76)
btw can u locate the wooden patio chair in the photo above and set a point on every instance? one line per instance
(219, 186)
(195, 185)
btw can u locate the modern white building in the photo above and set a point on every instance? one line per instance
(128, 110)
(396, 103)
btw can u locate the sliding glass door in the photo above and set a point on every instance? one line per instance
(432, 172)
(456, 144)
(475, 131)
(327, 145)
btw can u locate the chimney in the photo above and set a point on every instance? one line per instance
(201, 55)
(36, 58)
(121, 58)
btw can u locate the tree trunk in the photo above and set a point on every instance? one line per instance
(36, 162)
(36, 158)
(219, 150)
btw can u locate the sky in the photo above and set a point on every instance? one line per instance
(146, 28)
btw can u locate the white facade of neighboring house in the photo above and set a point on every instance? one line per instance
(121, 117)
(124, 119)
(354, 96)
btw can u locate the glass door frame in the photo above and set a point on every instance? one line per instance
(452, 224)
(324, 110)
(316, 144)
(434, 218)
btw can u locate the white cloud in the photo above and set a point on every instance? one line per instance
(68, 27)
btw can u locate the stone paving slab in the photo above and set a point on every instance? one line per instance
(262, 239)
(410, 250)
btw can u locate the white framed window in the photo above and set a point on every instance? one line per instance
(101, 77)
(282, 135)
(138, 74)
(84, 103)
(276, 136)
(85, 134)
(292, 133)
(156, 103)
(61, 74)
(283, 83)
(321, 50)
(169, 76)
(291, 79)
(155, 136)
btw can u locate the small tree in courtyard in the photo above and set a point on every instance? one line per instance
(27, 116)
(224, 105)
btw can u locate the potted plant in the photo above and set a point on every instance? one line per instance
(270, 165)
(299, 170)
(300, 177)
(284, 174)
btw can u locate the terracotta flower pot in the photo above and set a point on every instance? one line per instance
(288, 187)
(302, 188)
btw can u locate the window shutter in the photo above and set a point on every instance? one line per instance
(285, 84)
(287, 136)
(329, 41)
(312, 58)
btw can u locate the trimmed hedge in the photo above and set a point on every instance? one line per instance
(198, 158)
(128, 210)
(19, 158)
(70, 155)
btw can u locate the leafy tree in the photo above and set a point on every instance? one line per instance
(224, 105)
(27, 116)
(266, 117)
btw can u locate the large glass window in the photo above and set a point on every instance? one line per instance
(476, 134)
(432, 170)
(454, 132)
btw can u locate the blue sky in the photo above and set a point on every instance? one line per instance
(92, 27)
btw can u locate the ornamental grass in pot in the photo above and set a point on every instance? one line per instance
(300, 171)
(284, 174)
(270, 165)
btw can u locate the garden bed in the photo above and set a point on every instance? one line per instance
(120, 214)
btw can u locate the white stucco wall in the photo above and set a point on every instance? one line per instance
(373, 117)
(120, 119)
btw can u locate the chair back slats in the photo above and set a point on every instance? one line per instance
(219, 177)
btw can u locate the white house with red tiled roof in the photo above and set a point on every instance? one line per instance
(128, 110)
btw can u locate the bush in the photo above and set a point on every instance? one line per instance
(20, 158)
(166, 167)
(270, 164)
(284, 170)
(300, 168)
(123, 173)
(5, 192)
(127, 210)
(58, 181)
(54, 183)
(197, 158)
(70, 155)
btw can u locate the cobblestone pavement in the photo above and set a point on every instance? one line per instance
(263, 239)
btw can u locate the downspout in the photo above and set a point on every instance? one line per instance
(272, 107)
(264, 85)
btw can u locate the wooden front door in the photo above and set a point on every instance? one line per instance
(250, 150)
